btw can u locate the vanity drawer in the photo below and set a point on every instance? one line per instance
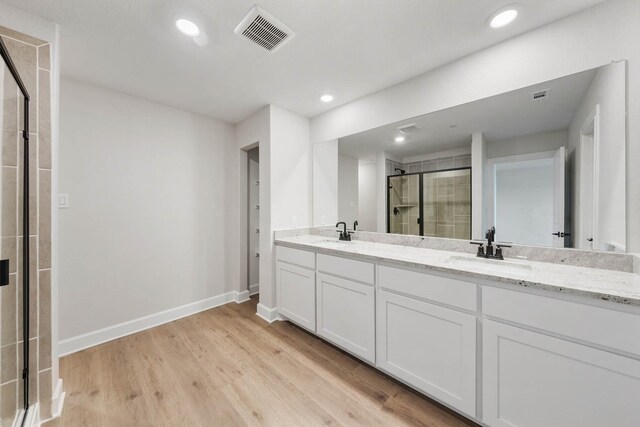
(344, 267)
(453, 292)
(610, 328)
(296, 256)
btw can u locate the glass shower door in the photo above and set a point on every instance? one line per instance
(403, 204)
(447, 204)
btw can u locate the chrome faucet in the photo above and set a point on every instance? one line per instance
(488, 252)
(344, 234)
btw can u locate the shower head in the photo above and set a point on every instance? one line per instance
(402, 171)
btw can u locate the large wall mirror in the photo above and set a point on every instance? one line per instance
(544, 164)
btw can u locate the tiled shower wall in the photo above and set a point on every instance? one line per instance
(33, 60)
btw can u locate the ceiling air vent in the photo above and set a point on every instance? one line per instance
(407, 129)
(264, 30)
(540, 95)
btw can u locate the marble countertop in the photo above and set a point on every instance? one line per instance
(615, 286)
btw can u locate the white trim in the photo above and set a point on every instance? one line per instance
(57, 400)
(254, 289)
(81, 342)
(268, 314)
(241, 297)
(32, 417)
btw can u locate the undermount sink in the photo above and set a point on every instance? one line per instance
(333, 243)
(489, 265)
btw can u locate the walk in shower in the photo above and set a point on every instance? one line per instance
(435, 204)
(17, 305)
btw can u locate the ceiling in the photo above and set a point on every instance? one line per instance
(347, 47)
(499, 117)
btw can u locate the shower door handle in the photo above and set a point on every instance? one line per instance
(4, 272)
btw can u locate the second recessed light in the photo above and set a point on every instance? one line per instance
(503, 18)
(326, 98)
(399, 139)
(187, 27)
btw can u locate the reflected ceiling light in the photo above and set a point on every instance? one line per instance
(503, 18)
(187, 27)
(326, 97)
(399, 139)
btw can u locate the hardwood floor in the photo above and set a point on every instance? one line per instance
(227, 367)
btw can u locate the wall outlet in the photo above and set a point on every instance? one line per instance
(294, 222)
(63, 201)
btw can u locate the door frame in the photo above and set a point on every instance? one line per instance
(590, 129)
(421, 195)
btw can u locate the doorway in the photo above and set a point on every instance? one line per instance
(588, 190)
(253, 221)
(528, 189)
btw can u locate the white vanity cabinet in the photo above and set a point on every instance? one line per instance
(346, 304)
(430, 347)
(296, 286)
(537, 358)
(571, 370)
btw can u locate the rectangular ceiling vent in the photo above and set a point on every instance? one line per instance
(407, 129)
(264, 30)
(540, 95)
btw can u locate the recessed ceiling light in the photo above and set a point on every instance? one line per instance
(326, 98)
(503, 18)
(399, 139)
(187, 27)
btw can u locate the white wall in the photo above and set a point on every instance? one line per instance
(325, 183)
(367, 197)
(527, 144)
(589, 39)
(348, 208)
(290, 170)
(479, 220)
(608, 91)
(146, 230)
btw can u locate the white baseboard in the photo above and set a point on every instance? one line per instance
(268, 314)
(241, 297)
(254, 289)
(32, 417)
(57, 400)
(81, 342)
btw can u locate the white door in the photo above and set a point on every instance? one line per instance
(559, 161)
(296, 290)
(531, 379)
(346, 315)
(432, 348)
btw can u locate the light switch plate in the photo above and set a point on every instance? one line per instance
(63, 201)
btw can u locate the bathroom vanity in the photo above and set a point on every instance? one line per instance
(505, 343)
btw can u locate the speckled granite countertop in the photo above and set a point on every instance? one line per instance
(615, 286)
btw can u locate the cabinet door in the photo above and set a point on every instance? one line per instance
(346, 315)
(430, 347)
(296, 291)
(532, 379)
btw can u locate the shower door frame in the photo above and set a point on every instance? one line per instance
(25, 224)
(421, 197)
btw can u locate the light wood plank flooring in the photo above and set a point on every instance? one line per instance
(227, 367)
